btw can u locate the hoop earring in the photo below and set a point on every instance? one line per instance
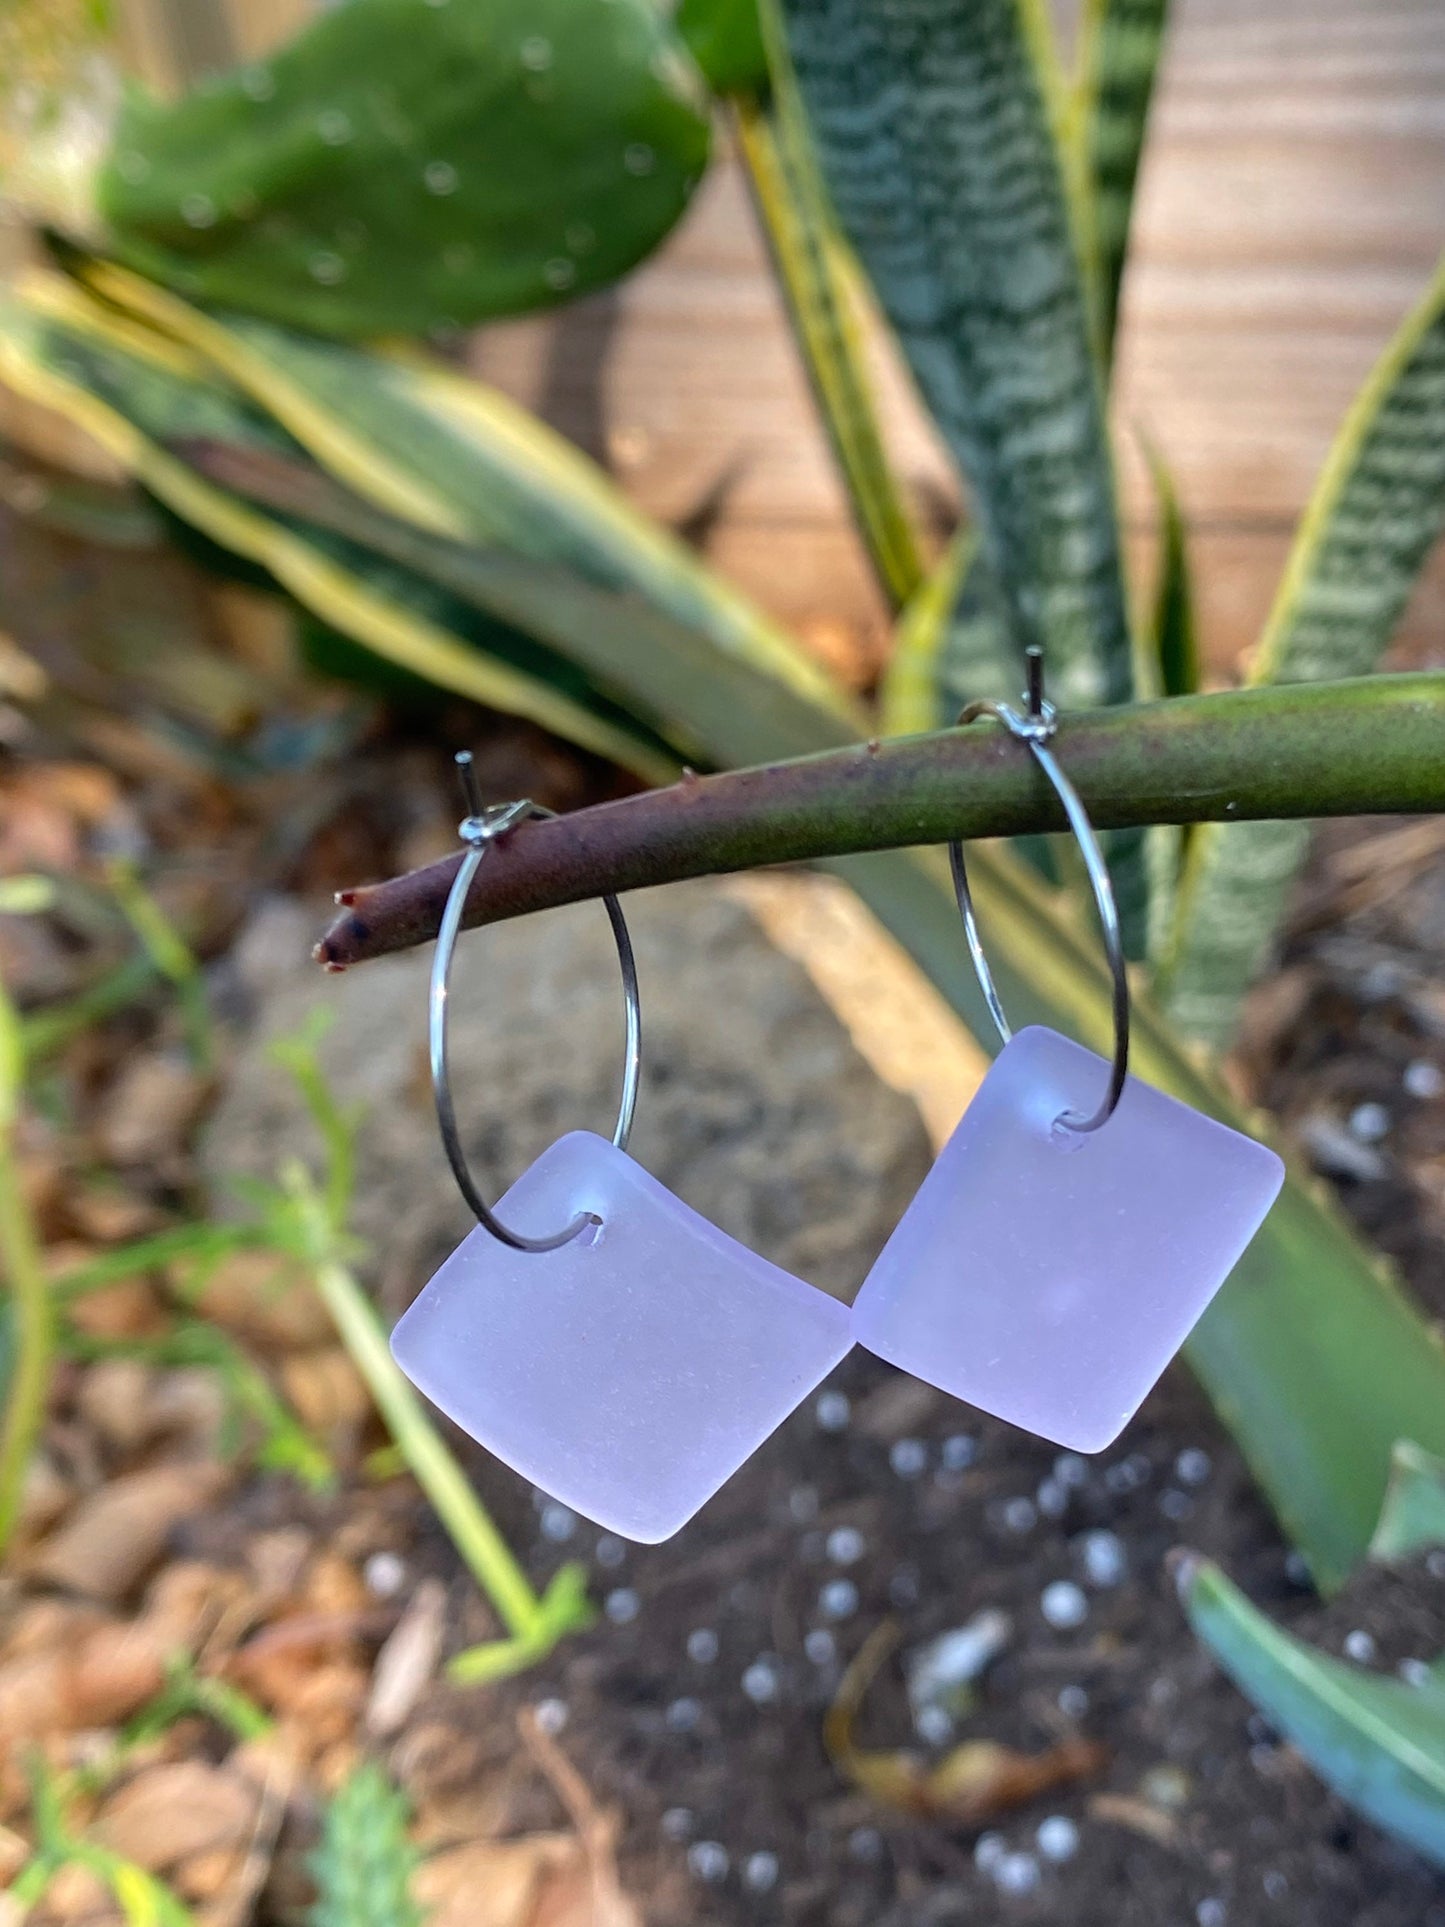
(1078, 1222)
(594, 1332)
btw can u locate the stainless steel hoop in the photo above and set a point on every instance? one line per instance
(479, 830)
(1036, 726)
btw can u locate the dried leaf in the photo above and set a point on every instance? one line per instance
(261, 1296)
(148, 1111)
(114, 1399)
(493, 1883)
(115, 1535)
(972, 1784)
(167, 1814)
(407, 1660)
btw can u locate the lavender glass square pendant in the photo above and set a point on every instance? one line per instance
(631, 1371)
(1048, 1276)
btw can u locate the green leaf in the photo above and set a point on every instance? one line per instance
(1122, 41)
(364, 1865)
(819, 280)
(1172, 629)
(1380, 1743)
(1412, 1519)
(726, 40)
(25, 896)
(399, 166)
(102, 373)
(1376, 512)
(935, 124)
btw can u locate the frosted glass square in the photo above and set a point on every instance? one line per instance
(1049, 1276)
(632, 1371)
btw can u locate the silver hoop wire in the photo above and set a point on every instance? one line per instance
(1036, 727)
(479, 830)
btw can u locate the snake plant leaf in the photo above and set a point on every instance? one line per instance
(725, 38)
(135, 392)
(820, 283)
(1376, 512)
(1379, 1742)
(1412, 1519)
(935, 124)
(459, 460)
(400, 166)
(1122, 41)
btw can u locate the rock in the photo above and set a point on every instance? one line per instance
(755, 1106)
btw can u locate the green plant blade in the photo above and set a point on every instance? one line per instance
(397, 167)
(1377, 510)
(461, 461)
(935, 125)
(82, 363)
(1412, 1519)
(364, 1864)
(725, 38)
(1122, 41)
(818, 279)
(1380, 1743)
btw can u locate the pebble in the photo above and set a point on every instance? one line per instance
(1435, 1563)
(622, 1606)
(1369, 1123)
(559, 1522)
(707, 1860)
(683, 1715)
(1017, 1873)
(1423, 1079)
(760, 1873)
(1193, 1466)
(1297, 1569)
(551, 1715)
(803, 1504)
(1052, 1499)
(1070, 1469)
(611, 1551)
(1064, 1605)
(1276, 1884)
(1211, 1912)
(1019, 1515)
(846, 1546)
(988, 1850)
(384, 1574)
(832, 1411)
(1175, 1505)
(702, 1646)
(908, 1457)
(1073, 1702)
(1360, 1646)
(1415, 1672)
(821, 1647)
(761, 1682)
(838, 1599)
(958, 1452)
(1104, 1559)
(933, 1725)
(866, 1845)
(1057, 1837)
(677, 1823)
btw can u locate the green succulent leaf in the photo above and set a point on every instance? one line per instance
(401, 166)
(936, 127)
(364, 1865)
(725, 38)
(1412, 1519)
(1122, 40)
(1380, 1743)
(1377, 510)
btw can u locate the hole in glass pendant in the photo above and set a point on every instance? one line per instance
(1064, 1132)
(591, 1232)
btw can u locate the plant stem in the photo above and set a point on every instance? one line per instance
(1369, 746)
(29, 1386)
